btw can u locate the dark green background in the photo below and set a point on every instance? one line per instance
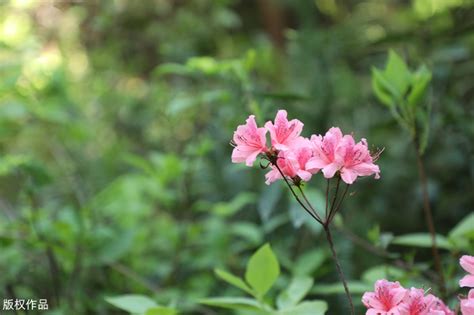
(115, 122)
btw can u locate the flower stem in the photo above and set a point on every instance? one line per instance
(333, 203)
(338, 266)
(310, 212)
(429, 222)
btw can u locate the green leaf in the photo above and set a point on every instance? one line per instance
(233, 280)
(423, 117)
(463, 228)
(132, 303)
(161, 310)
(356, 287)
(420, 81)
(263, 270)
(307, 308)
(397, 73)
(382, 88)
(421, 240)
(239, 303)
(295, 292)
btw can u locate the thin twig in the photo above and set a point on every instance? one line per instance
(308, 202)
(429, 221)
(315, 216)
(378, 251)
(338, 267)
(334, 212)
(331, 209)
(327, 198)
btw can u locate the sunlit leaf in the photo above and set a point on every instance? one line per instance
(263, 270)
(132, 303)
(233, 280)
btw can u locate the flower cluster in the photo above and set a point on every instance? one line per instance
(467, 305)
(390, 298)
(298, 158)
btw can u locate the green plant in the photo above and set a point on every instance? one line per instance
(140, 305)
(261, 274)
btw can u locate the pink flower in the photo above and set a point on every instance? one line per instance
(284, 133)
(249, 142)
(386, 298)
(467, 305)
(292, 163)
(439, 308)
(416, 303)
(335, 152)
(355, 159)
(467, 263)
(325, 152)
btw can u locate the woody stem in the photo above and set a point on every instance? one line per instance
(429, 222)
(338, 267)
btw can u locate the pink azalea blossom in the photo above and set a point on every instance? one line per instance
(335, 152)
(386, 299)
(416, 303)
(439, 308)
(467, 263)
(249, 142)
(292, 163)
(467, 305)
(284, 133)
(355, 159)
(325, 152)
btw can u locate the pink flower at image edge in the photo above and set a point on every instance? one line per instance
(467, 305)
(467, 263)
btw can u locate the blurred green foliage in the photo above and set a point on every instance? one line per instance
(115, 121)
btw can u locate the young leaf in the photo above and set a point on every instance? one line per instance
(263, 270)
(132, 303)
(307, 308)
(382, 88)
(233, 280)
(423, 116)
(397, 73)
(295, 292)
(420, 79)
